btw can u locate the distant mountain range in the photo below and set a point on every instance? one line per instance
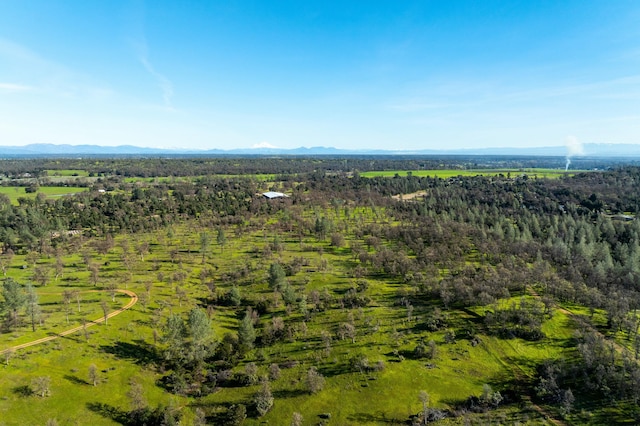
(45, 150)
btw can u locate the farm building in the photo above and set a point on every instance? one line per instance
(272, 194)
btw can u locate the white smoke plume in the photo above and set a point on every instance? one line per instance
(574, 147)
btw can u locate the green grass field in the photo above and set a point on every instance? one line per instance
(532, 173)
(125, 347)
(68, 173)
(15, 192)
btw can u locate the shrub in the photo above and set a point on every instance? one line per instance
(315, 381)
(263, 399)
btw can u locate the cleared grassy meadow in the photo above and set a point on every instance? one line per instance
(68, 173)
(16, 192)
(445, 174)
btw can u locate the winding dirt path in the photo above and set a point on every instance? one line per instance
(133, 301)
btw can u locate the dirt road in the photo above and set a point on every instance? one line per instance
(133, 301)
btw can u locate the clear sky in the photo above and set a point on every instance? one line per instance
(396, 74)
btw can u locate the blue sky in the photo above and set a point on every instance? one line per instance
(349, 74)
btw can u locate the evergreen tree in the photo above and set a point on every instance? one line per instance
(234, 296)
(174, 333)
(201, 335)
(221, 239)
(277, 277)
(246, 332)
(14, 299)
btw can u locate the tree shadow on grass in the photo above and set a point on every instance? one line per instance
(335, 370)
(140, 352)
(109, 412)
(378, 418)
(75, 380)
(43, 304)
(74, 338)
(23, 390)
(289, 393)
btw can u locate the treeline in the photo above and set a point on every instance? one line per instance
(277, 165)
(40, 221)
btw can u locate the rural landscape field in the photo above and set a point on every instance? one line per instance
(319, 213)
(172, 291)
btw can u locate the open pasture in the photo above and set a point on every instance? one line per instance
(16, 192)
(445, 174)
(68, 173)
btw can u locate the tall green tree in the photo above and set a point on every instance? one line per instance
(277, 276)
(234, 296)
(246, 332)
(14, 299)
(173, 336)
(221, 239)
(202, 336)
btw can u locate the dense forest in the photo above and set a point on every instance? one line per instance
(416, 266)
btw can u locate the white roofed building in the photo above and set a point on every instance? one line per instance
(272, 194)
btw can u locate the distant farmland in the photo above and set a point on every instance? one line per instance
(448, 173)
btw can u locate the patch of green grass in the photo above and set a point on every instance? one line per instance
(68, 172)
(73, 399)
(89, 309)
(532, 173)
(16, 192)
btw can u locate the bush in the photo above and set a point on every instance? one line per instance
(263, 399)
(236, 415)
(315, 381)
(159, 416)
(360, 363)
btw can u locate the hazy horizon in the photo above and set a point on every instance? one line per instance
(410, 75)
